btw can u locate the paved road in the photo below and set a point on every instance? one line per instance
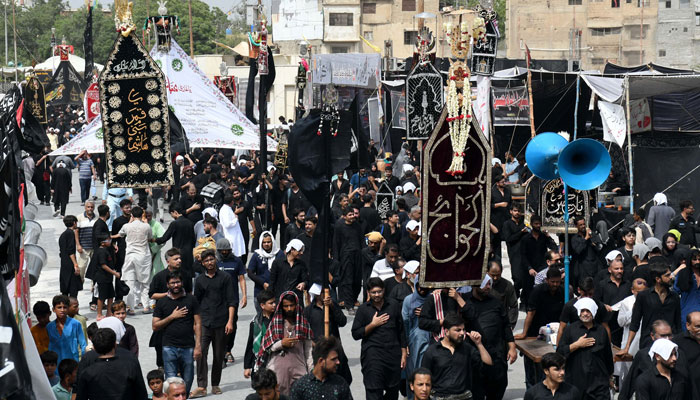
(233, 384)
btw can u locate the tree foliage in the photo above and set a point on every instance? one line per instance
(34, 28)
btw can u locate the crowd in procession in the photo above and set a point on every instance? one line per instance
(638, 290)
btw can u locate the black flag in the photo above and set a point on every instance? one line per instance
(15, 379)
(178, 137)
(87, 46)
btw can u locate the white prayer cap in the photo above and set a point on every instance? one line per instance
(660, 198)
(242, 161)
(662, 347)
(412, 224)
(179, 158)
(611, 256)
(586, 303)
(408, 187)
(211, 211)
(486, 281)
(411, 267)
(270, 168)
(295, 244)
(114, 324)
(407, 168)
(495, 161)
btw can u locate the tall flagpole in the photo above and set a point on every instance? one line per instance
(189, 8)
(529, 92)
(14, 37)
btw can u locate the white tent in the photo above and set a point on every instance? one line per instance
(77, 62)
(208, 117)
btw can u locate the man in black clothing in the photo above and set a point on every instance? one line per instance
(544, 306)
(182, 232)
(393, 281)
(384, 348)
(589, 358)
(276, 196)
(663, 381)
(584, 255)
(192, 204)
(410, 245)
(503, 290)
(347, 244)
(534, 247)
(452, 302)
(685, 224)
(323, 382)
(391, 230)
(111, 376)
(120, 242)
(569, 314)
(500, 204)
(290, 273)
(369, 255)
(497, 338)
(293, 199)
(553, 386)
(295, 227)
(512, 232)
(265, 384)
(390, 179)
(610, 291)
(214, 291)
(689, 345)
(369, 217)
(629, 236)
(306, 237)
(452, 363)
(658, 302)
(245, 218)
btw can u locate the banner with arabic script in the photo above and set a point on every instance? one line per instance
(552, 207)
(456, 211)
(511, 106)
(134, 112)
(34, 99)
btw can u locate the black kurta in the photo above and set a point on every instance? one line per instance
(69, 282)
(61, 183)
(589, 368)
(584, 259)
(542, 392)
(182, 232)
(284, 277)
(380, 356)
(651, 385)
(512, 233)
(428, 320)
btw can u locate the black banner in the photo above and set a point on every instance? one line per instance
(511, 106)
(425, 100)
(552, 207)
(15, 378)
(87, 47)
(66, 87)
(135, 122)
(384, 200)
(483, 61)
(34, 99)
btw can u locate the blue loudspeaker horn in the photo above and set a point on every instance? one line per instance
(583, 164)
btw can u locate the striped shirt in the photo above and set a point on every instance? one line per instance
(85, 225)
(85, 168)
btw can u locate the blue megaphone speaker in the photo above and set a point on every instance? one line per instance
(583, 164)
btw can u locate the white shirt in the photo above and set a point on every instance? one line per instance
(137, 233)
(232, 230)
(382, 270)
(510, 167)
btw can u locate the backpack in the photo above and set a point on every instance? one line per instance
(204, 243)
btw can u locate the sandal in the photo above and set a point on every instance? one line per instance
(197, 393)
(216, 390)
(229, 358)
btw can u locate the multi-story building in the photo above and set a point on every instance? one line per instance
(592, 32)
(678, 33)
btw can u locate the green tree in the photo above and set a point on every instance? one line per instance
(498, 5)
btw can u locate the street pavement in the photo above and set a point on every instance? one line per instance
(233, 384)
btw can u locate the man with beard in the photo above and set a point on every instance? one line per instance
(497, 339)
(545, 305)
(292, 199)
(453, 363)
(290, 273)
(512, 232)
(378, 324)
(390, 179)
(500, 203)
(658, 302)
(323, 382)
(370, 254)
(589, 358)
(339, 206)
(609, 292)
(685, 224)
(307, 236)
(192, 204)
(182, 232)
(410, 245)
(663, 380)
(296, 227)
(689, 345)
(584, 255)
(232, 218)
(287, 344)
(137, 260)
(245, 216)
(418, 339)
(503, 290)
(261, 262)
(275, 199)
(553, 386)
(660, 329)
(534, 248)
(438, 305)
(347, 243)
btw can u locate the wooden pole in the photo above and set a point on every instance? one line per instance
(529, 93)
(14, 38)
(629, 141)
(641, 33)
(326, 314)
(189, 8)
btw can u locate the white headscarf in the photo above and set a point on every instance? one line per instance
(660, 198)
(264, 254)
(662, 347)
(586, 303)
(295, 244)
(114, 324)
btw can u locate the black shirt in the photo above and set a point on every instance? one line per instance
(589, 368)
(648, 308)
(428, 317)
(159, 283)
(391, 238)
(315, 315)
(254, 396)
(687, 228)
(295, 201)
(369, 219)
(651, 385)
(389, 284)
(347, 239)
(215, 296)
(179, 332)
(451, 372)
(99, 228)
(542, 392)
(534, 251)
(187, 202)
(182, 232)
(547, 307)
(512, 233)
(408, 249)
(284, 277)
(103, 256)
(494, 323)
(309, 387)
(569, 314)
(114, 378)
(607, 291)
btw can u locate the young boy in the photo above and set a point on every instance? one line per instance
(69, 279)
(73, 310)
(258, 326)
(68, 371)
(65, 334)
(49, 359)
(129, 340)
(42, 313)
(155, 380)
(104, 275)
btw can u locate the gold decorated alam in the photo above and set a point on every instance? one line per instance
(122, 17)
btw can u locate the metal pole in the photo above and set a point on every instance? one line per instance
(566, 242)
(6, 59)
(629, 142)
(262, 119)
(189, 8)
(14, 37)
(641, 33)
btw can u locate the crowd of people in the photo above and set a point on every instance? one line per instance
(637, 290)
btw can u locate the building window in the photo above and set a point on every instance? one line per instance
(643, 3)
(697, 19)
(685, 4)
(634, 32)
(597, 61)
(605, 31)
(410, 5)
(662, 53)
(575, 2)
(614, 3)
(409, 37)
(339, 49)
(369, 35)
(369, 8)
(340, 19)
(668, 3)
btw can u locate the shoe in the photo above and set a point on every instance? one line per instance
(130, 312)
(93, 307)
(197, 393)
(351, 311)
(41, 203)
(55, 213)
(82, 204)
(229, 358)
(140, 305)
(216, 390)
(147, 311)
(94, 197)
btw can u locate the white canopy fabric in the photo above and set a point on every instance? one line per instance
(641, 85)
(77, 62)
(208, 117)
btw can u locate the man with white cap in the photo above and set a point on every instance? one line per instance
(408, 194)
(290, 273)
(496, 336)
(662, 381)
(586, 346)
(660, 215)
(410, 244)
